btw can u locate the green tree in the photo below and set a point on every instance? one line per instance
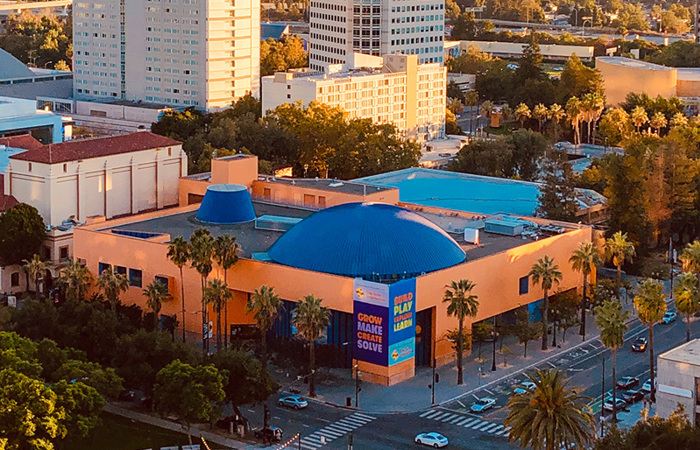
(556, 113)
(265, 306)
(112, 284)
(310, 320)
(615, 126)
(81, 405)
(179, 254)
(619, 249)
(461, 303)
(524, 330)
(226, 256)
(578, 80)
(527, 149)
(632, 17)
(690, 257)
(279, 56)
(639, 117)
(540, 113)
(626, 194)
(593, 104)
(480, 332)
(557, 192)
(156, 294)
(551, 416)
(218, 294)
(612, 323)
(545, 273)
(181, 125)
(585, 259)
(470, 61)
(22, 231)
(201, 254)
(530, 64)
(650, 303)
(192, 394)
(495, 81)
(491, 158)
(35, 269)
(249, 380)
(75, 279)
(522, 113)
(574, 112)
(103, 379)
(687, 298)
(37, 40)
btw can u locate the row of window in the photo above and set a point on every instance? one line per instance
(325, 48)
(331, 6)
(324, 27)
(135, 276)
(322, 16)
(323, 37)
(418, 8)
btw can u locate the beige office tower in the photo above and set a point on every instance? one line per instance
(202, 53)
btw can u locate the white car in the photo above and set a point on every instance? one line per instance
(483, 404)
(432, 439)
(669, 317)
(524, 387)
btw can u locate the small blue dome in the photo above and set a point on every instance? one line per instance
(226, 204)
(370, 240)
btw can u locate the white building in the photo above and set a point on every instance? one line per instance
(679, 381)
(202, 53)
(395, 90)
(377, 27)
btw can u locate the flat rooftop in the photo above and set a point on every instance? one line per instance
(470, 193)
(348, 187)
(632, 63)
(688, 353)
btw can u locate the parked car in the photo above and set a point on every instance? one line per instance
(432, 439)
(269, 434)
(483, 404)
(632, 396)
(524, 387)
(639, 344)
(620, 404)
(646, 387)
(293, 401)
(669, 317)
(627, 382)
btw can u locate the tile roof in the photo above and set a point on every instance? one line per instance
(25, 141)
(95, 148)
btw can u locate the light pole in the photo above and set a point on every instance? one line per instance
(357, 385)
(493, 364)
(602, 402)
(46, 64)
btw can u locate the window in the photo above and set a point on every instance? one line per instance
(63, 252)
(321, 201)
(164, 281)
(14, 279)
(524, 285)
(65, 168)
(135, 278)
(29, 167)
(102, 267)
(120, 270)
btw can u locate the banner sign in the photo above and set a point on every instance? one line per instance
(384, 321)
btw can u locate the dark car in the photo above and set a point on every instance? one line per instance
(269, 434)
(639, 344)
(627, 382)
(632, 396)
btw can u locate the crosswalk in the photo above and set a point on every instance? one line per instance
(472, 423)
(336, 430)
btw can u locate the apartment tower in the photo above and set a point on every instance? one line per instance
(202, 53)
(375, 27)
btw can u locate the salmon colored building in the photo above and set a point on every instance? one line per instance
(373, 261)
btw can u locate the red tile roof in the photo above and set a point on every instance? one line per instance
(6, 201)
(95, 148)
(25, 141)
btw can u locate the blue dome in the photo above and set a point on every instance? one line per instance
(226, 204)
(369, 240)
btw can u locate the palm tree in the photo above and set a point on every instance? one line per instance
(522, 113)
(687, 298)
(310, 320)
(540, 113)
(639, 117)
(112, 284)
(35, 268)
(584, 259)
(217, 293)
(179, 254)
(487, 108)
(545, 273)
(594, 104)
(611, 320)
(201, 253)
(461, 304)
(75, 278)
(690, 257)
(156, 293)
(651, 307)
(679, 120)
(619, 249)
(573, 112)
(225, 255)
(550, 415)
(556, 113)
(265, 304)
(471, 99)
(658, 121)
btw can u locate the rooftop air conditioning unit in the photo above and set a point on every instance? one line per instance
(471, 236)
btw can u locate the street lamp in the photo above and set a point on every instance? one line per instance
(47, 63)
(493, 364)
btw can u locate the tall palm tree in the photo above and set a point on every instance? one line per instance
(585, 259)
(522, 113)
(265, 304)
(619, 249)
(540, 114)
(651, 307)
(75, 278)
(461, 304)
(612, 323)
(226, 255)
(679, 120)
(156, 294)
(201, 253)
(556, 113)
(310, 320)
(112, 284)
(687, 298)
(573, 112)
(658, 121)
(690, 257)
(550, 415)
(35, 269)
(179, 254)
(545, 273)
(594, 104)
(217, 293)
(471, 99)
(487, 108)
(639, 117)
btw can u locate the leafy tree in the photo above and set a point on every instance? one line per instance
(626, 197)
(451, 126)
(615, 126)
(481, 331)
(218, 294)
(181, 125)
(249, 380)
(632, 17)
(687, 298)
(461, 303)
(471, 61)
(611, 320)
(201, 254)
(690, 257)
(179, 254)
(75, 279)
(530, 64)
(156, 293)
(524, 330)
(35, 269)
(619, 249)
(557, 196)
(578, 80)
(279, 56)
(545, 273)
(192, 394)
(103, 380)
(490, 158)
(495, 81)
(226, 256)
(585, 259)
(22, 231)
(550, 416)
(528, 149)
(38, 40)
(464, 27)
(112, 284)
(677, 54)
(265, 305)
(81, 405)
(563, 313)
(310, 320)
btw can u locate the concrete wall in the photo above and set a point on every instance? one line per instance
(622, 76)
(676, 385)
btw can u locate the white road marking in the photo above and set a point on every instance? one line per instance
(449, 417)
(490, 428)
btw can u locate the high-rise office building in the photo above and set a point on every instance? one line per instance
(202, 53)
(375, 27)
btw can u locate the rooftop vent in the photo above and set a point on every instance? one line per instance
(226, 204)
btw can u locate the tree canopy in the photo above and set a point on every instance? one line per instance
(22, 231)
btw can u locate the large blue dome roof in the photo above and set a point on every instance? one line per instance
(369, 240)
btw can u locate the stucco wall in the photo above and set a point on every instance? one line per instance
(637, 77)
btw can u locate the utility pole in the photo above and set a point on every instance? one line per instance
(432, 384)
(357, 385)
(493, 364)
(602, 403)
